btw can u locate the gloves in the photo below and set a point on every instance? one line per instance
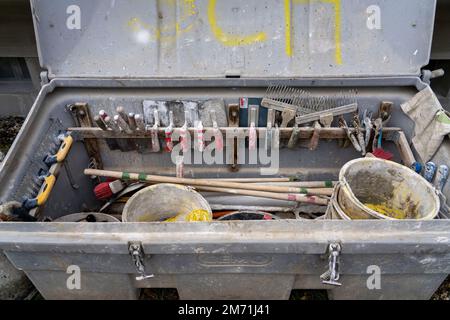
(431, 123)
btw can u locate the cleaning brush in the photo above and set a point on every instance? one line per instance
(378, 151)
(106, 190)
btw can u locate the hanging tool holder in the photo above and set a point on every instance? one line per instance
(159, 126)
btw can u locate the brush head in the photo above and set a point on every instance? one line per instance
(382, 154)
(106, 190)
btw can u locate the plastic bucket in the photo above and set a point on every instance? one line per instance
(334, 211)
(392, 191)
(160, 202)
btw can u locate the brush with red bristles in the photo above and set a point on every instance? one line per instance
(106, 190)
(377, 150)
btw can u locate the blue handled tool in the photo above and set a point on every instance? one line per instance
(430, 170)
(441, 177)
(417, 167)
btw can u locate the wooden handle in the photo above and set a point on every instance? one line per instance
(208, 183)
(272, 195)
(245, 189)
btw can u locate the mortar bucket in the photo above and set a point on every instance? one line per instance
(334, 211)
(372, 188)
(160, 202)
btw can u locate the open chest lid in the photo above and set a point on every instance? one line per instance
(219, 38)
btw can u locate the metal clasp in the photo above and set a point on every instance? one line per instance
(331, 276)
(137, 256)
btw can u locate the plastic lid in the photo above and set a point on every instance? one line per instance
(250, 39)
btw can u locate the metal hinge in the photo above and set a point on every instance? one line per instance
(44, 77)
(137, 256)
(331, 276)
(427, 75)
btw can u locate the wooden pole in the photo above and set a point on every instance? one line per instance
(294, 193)
(272, 195)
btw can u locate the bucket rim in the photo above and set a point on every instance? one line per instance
(154, 186)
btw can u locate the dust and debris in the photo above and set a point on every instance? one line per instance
(9, 127)
(443, 293)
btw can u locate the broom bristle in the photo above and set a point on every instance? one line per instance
(382, 154)
(103, 191)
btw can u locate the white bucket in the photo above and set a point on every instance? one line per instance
(162, 201)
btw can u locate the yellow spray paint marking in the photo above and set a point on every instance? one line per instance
(337, 25)
(226, 38)
(188, 14)
(190, 11)
(337, 30)
(287, 27)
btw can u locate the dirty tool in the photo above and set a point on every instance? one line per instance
(441, 177)
(359, 134)
(294, 137)
(168, 134)
(154, 132)
(132, 121)
(112, 143)
(324, 108)
(218, 139)
(284, 99)
(367, 123)
(270, 122)
(301, 119)
(139, 120)
(385, 111)
(66, 142)
(304, 107)
(377, 149)
(200, 138)
(351, 137)
(48, 182)
(124, 144)
(184, 133)
(123, 125)
(252, 135)
(430, 171)
(122, 114)
(276, 137)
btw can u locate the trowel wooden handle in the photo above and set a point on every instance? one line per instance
(287, 116)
